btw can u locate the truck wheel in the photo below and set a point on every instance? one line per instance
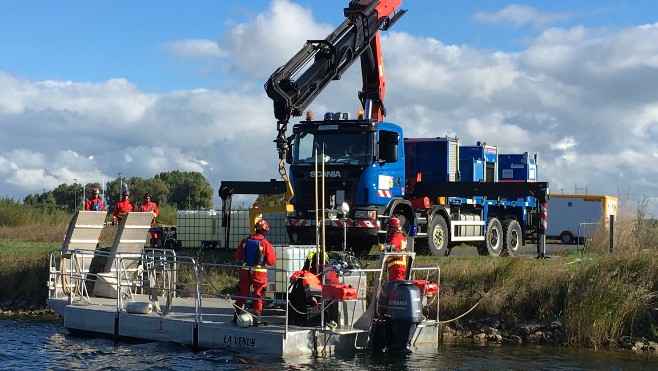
(567, 238)
(494, 237)
(437, 236)
(513, 239)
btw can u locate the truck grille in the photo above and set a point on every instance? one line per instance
(305, 190)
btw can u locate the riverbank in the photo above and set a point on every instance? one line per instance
(592, 300)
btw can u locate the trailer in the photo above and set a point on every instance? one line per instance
(575, 217)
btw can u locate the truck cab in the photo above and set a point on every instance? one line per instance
(358, 162)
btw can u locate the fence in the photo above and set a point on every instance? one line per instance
(203, 228)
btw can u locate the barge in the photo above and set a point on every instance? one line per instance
(157, 295)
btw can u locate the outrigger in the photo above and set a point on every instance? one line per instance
(155, 294)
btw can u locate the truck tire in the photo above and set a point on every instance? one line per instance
(494, 237)
(513, 237)
(567, 238)
(437, 236)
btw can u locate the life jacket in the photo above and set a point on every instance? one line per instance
(253, 253)
(397, 260)
(309, 281)
(96, 205)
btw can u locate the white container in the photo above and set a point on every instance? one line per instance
(193, 227)
(289, 259)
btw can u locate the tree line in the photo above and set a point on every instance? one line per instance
(183, 190)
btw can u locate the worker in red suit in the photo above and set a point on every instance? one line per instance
(123, 207)
(396, 241)
(151, 206)
(255, 253)
(94, 203)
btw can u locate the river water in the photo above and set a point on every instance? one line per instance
(46, 345)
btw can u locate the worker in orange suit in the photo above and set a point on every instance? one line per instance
(256, 254)
(94, 203)
(396, 241)
(123, 207)
(151, 206)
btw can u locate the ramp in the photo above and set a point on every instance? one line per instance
(124, 260)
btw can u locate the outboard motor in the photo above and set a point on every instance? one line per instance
(399, 312)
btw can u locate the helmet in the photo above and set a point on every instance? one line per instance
(262, 226)
(95, 191)
(125, 193)
(244, 320)
(394, 222)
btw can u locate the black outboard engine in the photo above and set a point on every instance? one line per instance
(399, 312)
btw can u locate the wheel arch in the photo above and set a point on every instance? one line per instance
(402, 207)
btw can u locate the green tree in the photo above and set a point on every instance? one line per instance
(67, 195)
(113, 191)
(156, 187)
(187, 190)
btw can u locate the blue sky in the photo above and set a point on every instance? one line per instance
(92, 88)
(99, 40)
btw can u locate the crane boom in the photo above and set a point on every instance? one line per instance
(296, 84)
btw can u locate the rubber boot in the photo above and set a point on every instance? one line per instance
(256, 319)
(235, 318)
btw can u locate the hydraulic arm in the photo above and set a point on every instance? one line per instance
(296, 84)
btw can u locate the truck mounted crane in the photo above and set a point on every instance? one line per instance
(369, 165)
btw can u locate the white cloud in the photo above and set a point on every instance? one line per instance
(519, 15)
(194, 49)
(257, 47)
(583, 99)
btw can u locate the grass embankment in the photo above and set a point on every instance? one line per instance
(597, 296)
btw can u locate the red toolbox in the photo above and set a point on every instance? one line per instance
(328, 290)
(345, 292)
(427, 288)
(336, 291)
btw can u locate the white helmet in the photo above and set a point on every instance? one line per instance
(245, 320)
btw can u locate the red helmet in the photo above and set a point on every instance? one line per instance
(262, 226)
(394, 222)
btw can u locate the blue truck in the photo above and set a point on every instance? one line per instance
(452, 194)
(347, 175)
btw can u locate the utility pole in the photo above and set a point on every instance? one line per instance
(75, 194)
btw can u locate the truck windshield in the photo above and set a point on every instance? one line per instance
(339, 147)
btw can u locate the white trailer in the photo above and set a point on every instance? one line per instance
(573, 216)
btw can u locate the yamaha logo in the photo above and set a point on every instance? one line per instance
(327, 174)
(397, 303)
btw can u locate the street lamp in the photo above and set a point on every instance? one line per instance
(75, 194)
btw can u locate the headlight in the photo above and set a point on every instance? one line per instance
(365, 214)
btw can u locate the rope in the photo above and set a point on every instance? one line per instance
(462, 315)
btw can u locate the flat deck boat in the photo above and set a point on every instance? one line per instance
(156, 295)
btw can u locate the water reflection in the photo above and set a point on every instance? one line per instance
(39, 345)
